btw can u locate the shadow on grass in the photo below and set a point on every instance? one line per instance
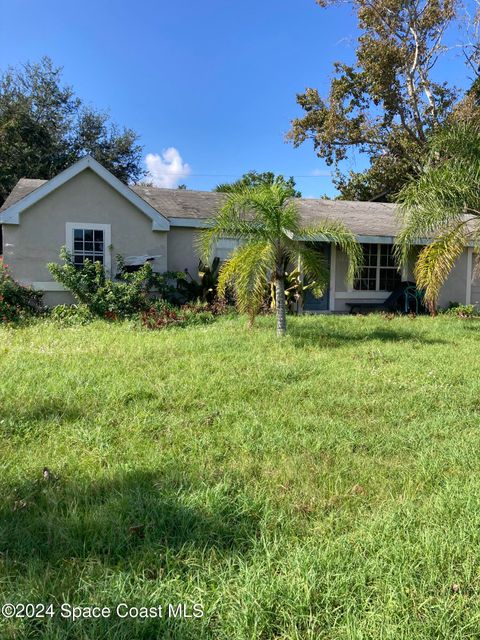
(144, 526)
(54, 408)
(323, 336)
(26, 420)
(113, 519)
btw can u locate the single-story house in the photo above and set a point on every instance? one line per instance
(95, 215)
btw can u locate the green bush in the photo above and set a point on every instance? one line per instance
(71, 314)
(17, 302)
(166, 285)
(104, 297)
(125, 297)
(461, 310)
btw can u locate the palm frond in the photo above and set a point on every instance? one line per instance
(246, 271)
(264, 212)
(446, 193)
(337, 233)
(312, 265)
(436, 261)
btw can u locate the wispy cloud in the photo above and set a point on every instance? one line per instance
(321, 173)
(167, 169)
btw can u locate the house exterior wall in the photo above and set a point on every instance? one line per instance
(86, 198)
(454, 289)
(182, 251)
(475, 291)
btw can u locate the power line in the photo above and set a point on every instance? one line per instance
(235, 175)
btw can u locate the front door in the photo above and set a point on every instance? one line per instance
(319, 304)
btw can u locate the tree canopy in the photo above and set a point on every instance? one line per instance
(253, 179)
(45, 127)
(387, 102)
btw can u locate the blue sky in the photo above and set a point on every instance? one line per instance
(216, 80)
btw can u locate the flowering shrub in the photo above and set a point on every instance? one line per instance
(17, 302)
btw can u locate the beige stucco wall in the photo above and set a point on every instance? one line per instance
(182, 252)
(37, 240)
(476, 293)
(475, 296)
(454, 289)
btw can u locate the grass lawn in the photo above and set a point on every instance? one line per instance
(322, 486)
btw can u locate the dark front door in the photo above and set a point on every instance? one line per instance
(319, 304)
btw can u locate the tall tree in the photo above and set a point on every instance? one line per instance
(266, 220)
(443, 204)
(387, 103)
(45, 127)
(253, 179)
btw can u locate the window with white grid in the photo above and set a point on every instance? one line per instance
(88, 244)
(88, 241)
(378, 271)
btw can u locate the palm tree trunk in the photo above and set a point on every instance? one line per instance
(280, 302)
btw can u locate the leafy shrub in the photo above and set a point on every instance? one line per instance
(205, 289)
(17, 302)
(461, 310)
(165, 284)
(104, 297)
(71, 314)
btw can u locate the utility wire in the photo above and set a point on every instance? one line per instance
(235, 175)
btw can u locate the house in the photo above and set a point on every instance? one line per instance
(96, 216)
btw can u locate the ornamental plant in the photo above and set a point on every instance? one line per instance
(266, 222)
(104, 297)
(17, 301)
(440, 210)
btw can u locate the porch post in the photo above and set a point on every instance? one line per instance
(468, 295)
(333, 263)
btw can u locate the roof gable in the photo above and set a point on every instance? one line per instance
(11, 214)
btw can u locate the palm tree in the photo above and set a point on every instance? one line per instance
(443, 206)
(266, 221)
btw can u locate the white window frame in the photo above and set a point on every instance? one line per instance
(107, 239)
(377, 267)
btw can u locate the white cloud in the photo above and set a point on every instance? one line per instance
(167, 169)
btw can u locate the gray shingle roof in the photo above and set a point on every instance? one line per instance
(20, 190)
(363, 218)
(181, 203)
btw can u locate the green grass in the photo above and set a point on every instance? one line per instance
(322, 486)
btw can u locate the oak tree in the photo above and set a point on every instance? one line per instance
(45, 127)
(385, 104)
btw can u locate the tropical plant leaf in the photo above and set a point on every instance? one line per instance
(436, 260)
